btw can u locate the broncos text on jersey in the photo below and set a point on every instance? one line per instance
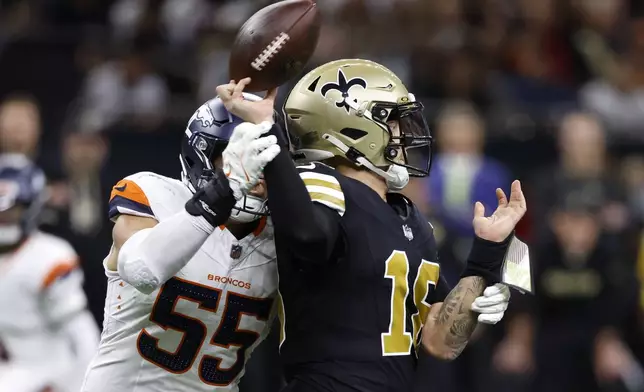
(198, 330)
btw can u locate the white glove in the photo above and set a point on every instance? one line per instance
(492, 304)
(246, 156)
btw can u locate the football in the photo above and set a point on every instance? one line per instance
(274, 45)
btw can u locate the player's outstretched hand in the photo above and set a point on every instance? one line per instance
(502, 222)
(492, 304)
(246, 155)
(254, 112)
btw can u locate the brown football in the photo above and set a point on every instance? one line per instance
(274, 45)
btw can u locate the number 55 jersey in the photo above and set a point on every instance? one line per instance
(198, 330)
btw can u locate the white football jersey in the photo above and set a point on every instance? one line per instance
(198, 330)
(40, 288)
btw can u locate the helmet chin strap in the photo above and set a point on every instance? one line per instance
(397, 177)
(243, 211)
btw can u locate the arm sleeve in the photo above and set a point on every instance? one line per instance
(151, 256)
(313, 229)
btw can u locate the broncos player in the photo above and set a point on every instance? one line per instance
(359, 274)
(192, 273)
(47, 335)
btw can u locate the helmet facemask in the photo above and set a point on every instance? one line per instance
(409, 148)
(410, 141)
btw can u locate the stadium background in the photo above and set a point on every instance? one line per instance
(547, 91)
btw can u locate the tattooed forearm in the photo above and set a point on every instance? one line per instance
(446, 334)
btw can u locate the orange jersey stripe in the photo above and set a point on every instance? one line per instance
(258, 230)
(260, 227)
(60, 269)
(129, 190)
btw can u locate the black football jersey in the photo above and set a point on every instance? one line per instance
(354, 323)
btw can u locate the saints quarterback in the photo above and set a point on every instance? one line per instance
(359, 275)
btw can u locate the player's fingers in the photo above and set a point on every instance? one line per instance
(479, 210)
(490, 318)
(250, 131)
(262, 143)
(517, 198)
(239, 87)
(243, 134)
(498, 301)
(268, 154)
(496, 289)
(500, 196)
(239, 133)
(265, 127)
(225, 91)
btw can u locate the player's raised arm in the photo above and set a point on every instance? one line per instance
(312, 229)
(448, 327)
(147, 253)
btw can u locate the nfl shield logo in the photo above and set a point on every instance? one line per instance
(408, 233)
(235, 251)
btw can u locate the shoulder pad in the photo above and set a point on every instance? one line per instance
(323, 186)
(140, 194)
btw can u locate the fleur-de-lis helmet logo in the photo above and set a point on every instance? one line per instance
(343, 86)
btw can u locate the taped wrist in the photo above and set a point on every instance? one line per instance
(486, 259)
(214, 201)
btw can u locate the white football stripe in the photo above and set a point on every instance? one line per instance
(325, 190)
(318, 176)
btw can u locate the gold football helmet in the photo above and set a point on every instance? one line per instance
(360, 111)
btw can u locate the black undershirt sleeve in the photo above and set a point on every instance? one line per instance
(313, 231)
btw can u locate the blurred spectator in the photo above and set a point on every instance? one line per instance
(213, 65)
(77, 209)
(182, 19)
(124, 90)
(619, 102)
(583, 158)
(19, 125)
(633, 178)
(569, 333)
(461, 175)
(81, 196)
(125, 17)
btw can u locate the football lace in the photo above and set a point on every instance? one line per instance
(271, 50)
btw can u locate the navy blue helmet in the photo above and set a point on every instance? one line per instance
(205, 138)
(22, 197)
